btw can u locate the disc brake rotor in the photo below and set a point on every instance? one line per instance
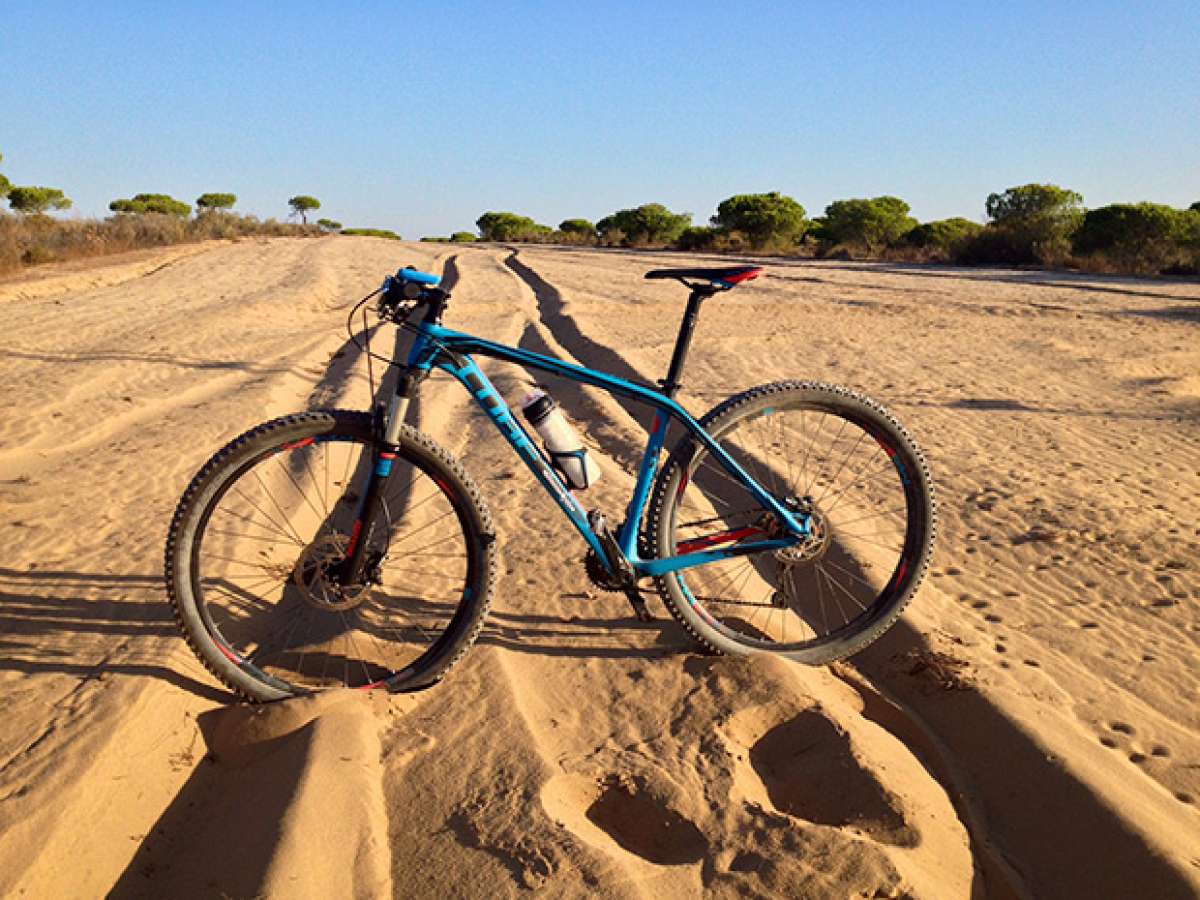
(314, 575)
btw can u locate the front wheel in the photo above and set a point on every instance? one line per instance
(254, 549)
(825, 452)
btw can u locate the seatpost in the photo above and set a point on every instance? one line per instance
(671, 383)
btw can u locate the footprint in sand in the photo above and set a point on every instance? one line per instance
(809, 771)
(645, 826)
(623, 810)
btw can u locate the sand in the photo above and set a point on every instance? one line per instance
(1030, 728)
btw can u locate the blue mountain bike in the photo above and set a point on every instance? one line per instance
(335, 548)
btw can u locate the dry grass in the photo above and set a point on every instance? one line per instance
(33, 240)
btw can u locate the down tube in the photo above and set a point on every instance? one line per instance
(490, 401)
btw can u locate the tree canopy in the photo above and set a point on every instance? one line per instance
(1033, 201)
(302, 204)
(1035, 222)
(329, 225)
(651, 223)
(875, 223)
(216, 201)
(581, 227)
(508, 226)
(763, 218)
(5, 184)
(463, 237)
(36, 200)
(1137, 236)
(942, 234)
(164, 204)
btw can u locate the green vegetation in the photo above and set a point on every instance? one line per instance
(373, 232)
(216, 201)
(1032, 223)
(141, 204)
(766, 220)
(577, 231)
(329, 225)
(145, 220)
(942, 239)
(302, 205)
(871, 225)
(37, 200)
(462, 237)
(508, 226)
(650, 225)
(1137, 237)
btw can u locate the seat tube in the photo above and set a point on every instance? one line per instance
(672, 383)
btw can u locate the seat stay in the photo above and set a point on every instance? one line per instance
(451, 351)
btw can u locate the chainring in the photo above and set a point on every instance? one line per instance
(599, 574)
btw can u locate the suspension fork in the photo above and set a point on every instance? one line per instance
(387, 437)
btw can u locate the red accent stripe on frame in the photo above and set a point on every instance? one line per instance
(721, 537)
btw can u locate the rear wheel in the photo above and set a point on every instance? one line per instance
(825, 452)
(254, 548)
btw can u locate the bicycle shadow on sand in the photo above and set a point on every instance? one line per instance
(63, 622)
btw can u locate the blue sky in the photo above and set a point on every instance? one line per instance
(420, 116)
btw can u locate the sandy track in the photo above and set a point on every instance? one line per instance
(576, 751)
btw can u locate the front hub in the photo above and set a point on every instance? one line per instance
(316, 571)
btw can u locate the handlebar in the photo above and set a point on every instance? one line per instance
(408, 289)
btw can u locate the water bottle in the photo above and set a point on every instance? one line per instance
(561, 441)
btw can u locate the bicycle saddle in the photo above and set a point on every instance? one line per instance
(720, 278)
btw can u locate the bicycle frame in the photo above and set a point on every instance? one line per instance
(451, 351)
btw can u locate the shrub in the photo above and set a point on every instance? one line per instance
(373, 232)
(36, 200)
(141, 204)
(463, 237)
(1036, 221)
(764, 219)
(713, 239)
(31, 240)
(651, 224)
(942, 239)
(329, 225)
(5, 187)
(697, 237)
(508, 226)
(577, 231)
(1137, 237)
(872, 224)
(216, 201)
(302, 204)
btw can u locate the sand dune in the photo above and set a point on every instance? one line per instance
(1031, 727)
